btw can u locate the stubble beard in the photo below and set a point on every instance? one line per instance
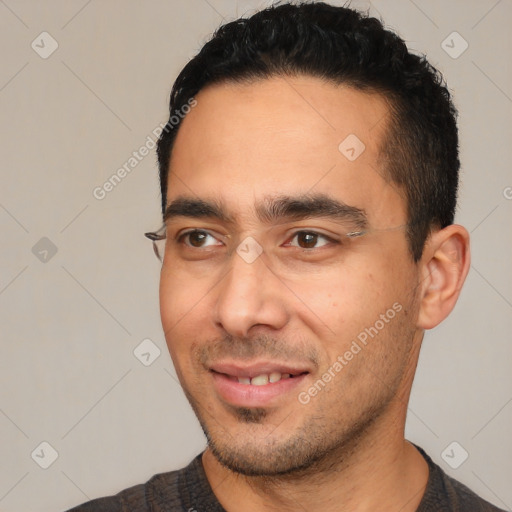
(314, 447)
(320, 444)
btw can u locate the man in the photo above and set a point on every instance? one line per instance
(308, 195)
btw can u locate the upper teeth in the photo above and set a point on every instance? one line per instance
(263, 379)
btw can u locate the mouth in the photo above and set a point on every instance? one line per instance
(262, 379)
(257, 385)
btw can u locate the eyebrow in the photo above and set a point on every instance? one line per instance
(273, 210)
(310, 206)
(196, 209)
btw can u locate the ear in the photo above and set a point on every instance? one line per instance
(444, 267)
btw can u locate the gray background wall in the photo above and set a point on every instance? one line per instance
(70, 321)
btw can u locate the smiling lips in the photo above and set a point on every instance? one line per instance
(259, 374)
(255, 385)
(263, 379)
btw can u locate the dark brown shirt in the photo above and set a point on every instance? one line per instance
(188, 490)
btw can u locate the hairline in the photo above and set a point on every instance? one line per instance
(393, 165)
(388, 131)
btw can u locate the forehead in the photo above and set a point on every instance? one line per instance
(285, 135)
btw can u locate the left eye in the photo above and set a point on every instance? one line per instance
(308, 240)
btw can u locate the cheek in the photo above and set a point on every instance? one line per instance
(337, 296)
(182, 303)
(181, 292)
(344, 302)
(169, 303)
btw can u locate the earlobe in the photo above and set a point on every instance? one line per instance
(445, 264)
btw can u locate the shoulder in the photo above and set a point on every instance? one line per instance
(444, 493)
(138, 498)
(185, 489)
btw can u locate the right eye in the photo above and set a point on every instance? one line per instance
(198, 239)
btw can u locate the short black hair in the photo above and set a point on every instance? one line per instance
(343, 46)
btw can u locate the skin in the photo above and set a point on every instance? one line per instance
(241, 147)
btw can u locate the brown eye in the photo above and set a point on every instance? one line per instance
(307, 240)
(197, 238)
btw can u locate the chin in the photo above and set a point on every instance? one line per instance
(270, 460)
(263, 450)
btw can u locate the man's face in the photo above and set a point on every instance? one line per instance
(261, 341)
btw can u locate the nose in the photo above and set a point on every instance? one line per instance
(250, 295)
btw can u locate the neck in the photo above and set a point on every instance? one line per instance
(367, 476)
(379, 470)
